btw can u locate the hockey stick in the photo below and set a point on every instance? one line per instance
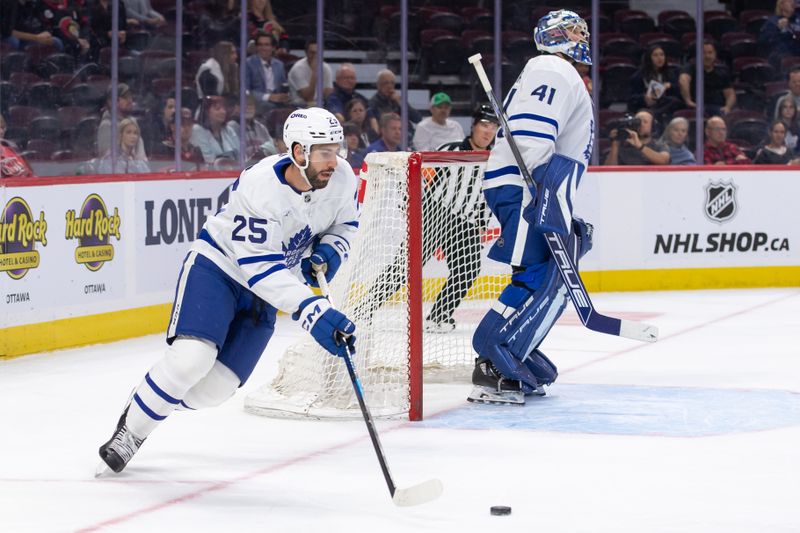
(416, 495)
(566, 266)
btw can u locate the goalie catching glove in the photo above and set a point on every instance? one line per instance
(324, 258)
(329, 327)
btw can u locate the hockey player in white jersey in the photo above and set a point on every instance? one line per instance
(288, 216)
(551, 120)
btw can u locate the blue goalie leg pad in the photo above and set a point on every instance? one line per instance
(541, 367)
(486, 344)
(510, 334)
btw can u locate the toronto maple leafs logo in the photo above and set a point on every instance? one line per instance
(297, 245)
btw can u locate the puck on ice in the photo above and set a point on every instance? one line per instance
(500, 510)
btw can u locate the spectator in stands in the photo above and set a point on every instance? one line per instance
(344, 90)
(100, 26)
(142, 14)
(125, 107)
(438, 128)
(258, 141)
(260, 17)
(12, 164)
(190, 153)
(654, 86)
(265, 75)
(638, 147)
(780, 33)
(481, 136)
(156, 127)
(674, 139)
(720, 96)
(774, 150)
(391, 134)
(793, 84)
(387, 100)
(356, 111)
(355, 146)
(219, 74)
(28, 25)
(128, 162)
(303, 78)
(211, 136)
(717, 149)
(786, 111)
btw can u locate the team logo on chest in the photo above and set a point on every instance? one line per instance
(293, 251)
(720, 201)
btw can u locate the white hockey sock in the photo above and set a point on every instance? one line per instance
(185, 363)
(216, 387)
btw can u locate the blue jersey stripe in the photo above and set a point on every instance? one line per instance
(204, 236)
(164, 396)
(528, 133)
(532, 116)
(353, 223)
(261, 259)
(511, 169)
(339, 236)
(258, 277)
(149, 412)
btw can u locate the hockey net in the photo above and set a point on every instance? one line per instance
(388, 288)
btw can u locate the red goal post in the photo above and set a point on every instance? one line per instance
(414, 205)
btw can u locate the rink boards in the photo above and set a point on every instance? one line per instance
(94, 259)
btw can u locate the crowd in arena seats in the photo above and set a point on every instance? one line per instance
(55, 77)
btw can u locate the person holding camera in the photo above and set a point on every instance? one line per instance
(632, 143)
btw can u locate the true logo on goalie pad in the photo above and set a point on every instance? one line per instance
(720, 201)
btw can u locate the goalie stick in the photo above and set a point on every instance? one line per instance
(566, 266)
(421, 493)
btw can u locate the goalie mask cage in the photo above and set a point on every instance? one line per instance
(384, 289)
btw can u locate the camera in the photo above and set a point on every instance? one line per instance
(628, 122)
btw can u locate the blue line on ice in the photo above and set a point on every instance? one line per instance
(633, 410)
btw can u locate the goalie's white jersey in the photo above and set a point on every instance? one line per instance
(549, 111)
(260, 236)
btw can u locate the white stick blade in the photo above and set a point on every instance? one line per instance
(639, 331)
(475, 58)
(102, 470)
(418, 494)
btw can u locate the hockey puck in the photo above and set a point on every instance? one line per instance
(500, 510)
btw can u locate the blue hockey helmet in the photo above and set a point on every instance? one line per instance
(564, 32)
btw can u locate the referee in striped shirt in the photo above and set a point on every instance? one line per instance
(454, 200)
(454, 212)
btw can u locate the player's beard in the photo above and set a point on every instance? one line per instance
(314, 178)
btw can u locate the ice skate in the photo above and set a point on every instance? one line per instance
(445, 326)
(120, 449)
(491, 387)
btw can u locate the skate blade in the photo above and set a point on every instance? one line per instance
(485, 395)
(102, 470)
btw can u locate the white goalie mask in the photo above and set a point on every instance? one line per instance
(311, 126)
(564, 32)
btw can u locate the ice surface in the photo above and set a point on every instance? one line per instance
(699, 432)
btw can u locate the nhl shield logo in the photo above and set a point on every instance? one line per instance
(720, 201)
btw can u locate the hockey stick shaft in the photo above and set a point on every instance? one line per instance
(566, 265)
(422, 493)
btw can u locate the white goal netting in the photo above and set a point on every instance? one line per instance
(372, 288)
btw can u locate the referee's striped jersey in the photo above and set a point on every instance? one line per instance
(458, 190)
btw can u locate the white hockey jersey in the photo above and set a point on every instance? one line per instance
(549, 111)
(260, 236)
